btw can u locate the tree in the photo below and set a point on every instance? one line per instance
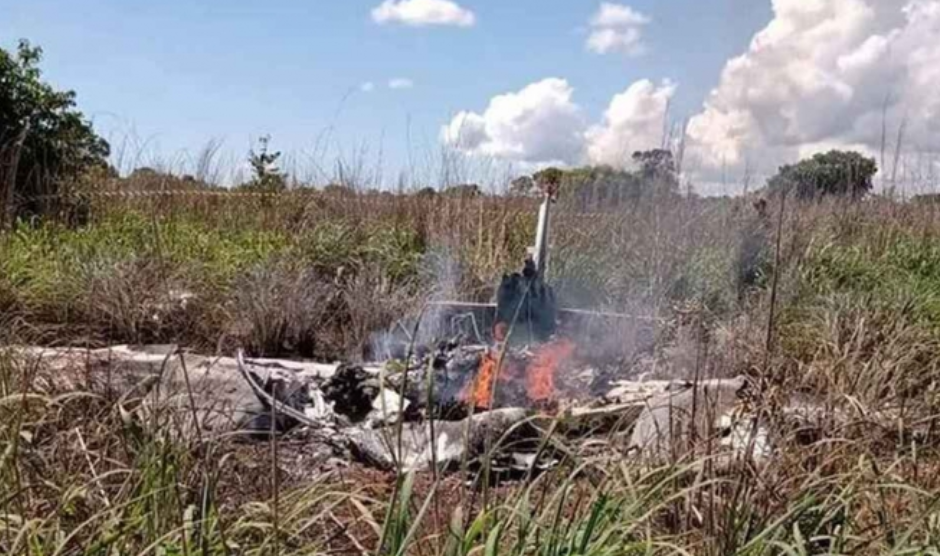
(533, 186)
(523, 186)
(655, 163)
(926, 199)
(426, 193)
(835, 173)
(549, 177)
(464, 191)
(657, 169)
(594, 187)
(147, 178)
(45, 142)
(339, 190)
(267, 177)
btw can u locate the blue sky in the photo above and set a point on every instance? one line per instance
(177, 73)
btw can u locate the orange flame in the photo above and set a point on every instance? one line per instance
(540, 374)
(480, 390)
(539, 377)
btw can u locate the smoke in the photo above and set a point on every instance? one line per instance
(442, 272)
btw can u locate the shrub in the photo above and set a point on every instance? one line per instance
(278, 309)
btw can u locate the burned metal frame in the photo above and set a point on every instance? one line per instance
(485, 316)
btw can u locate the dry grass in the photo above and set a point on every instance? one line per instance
(359, 258)
(856, 329)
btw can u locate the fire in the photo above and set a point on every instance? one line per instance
(540, 373)
(538, 378)
(480, 390)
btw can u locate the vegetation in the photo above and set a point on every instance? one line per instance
(835, 173)
(316, 274)
(45, 143)
(266, 177)
(832, 300)
(603, 186)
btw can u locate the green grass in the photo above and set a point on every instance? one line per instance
(858, 314)
(40, 258)
(128, 262)
(904, 276)
(101, 282)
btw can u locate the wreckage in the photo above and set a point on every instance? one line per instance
(376, 414)
(514, 375)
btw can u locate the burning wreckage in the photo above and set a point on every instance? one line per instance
(505, 397)
(499, 396)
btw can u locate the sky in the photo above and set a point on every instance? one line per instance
(395, 87)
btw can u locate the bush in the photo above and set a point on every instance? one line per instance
(278, 309)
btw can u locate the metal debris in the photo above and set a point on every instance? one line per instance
(443, 443)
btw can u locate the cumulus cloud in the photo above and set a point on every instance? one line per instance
(617, 15)
(634, 121)
(367, 87)
(420, 13)
(825, 74)
(538, 124)
(400, 83)
(617, 28)
(822, 74)
(542, 125)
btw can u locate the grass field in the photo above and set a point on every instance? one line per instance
(835, 301)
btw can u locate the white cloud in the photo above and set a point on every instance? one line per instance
(634, 121)
(543, 125)
(617, 28)
(419, 13)
(627, 41)
(822, 74)
(825, 74)
(538, 124)
(617, 15)
(367, 87)
(400, 83)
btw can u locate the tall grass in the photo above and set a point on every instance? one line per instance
(362, 258)
(83, 472)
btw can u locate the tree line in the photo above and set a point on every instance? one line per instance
(48, 146)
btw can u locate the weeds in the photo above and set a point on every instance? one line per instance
(84, 473)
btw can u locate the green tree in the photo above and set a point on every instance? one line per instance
(523, 186)
(835, 173)
(597, 187)
(266, 176)
(426, 193)
(657, 168)
(45, 142)
(549, 177)
(464, 190)
(603, 187)
(339, 190)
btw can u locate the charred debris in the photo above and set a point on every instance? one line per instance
(506, 374)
